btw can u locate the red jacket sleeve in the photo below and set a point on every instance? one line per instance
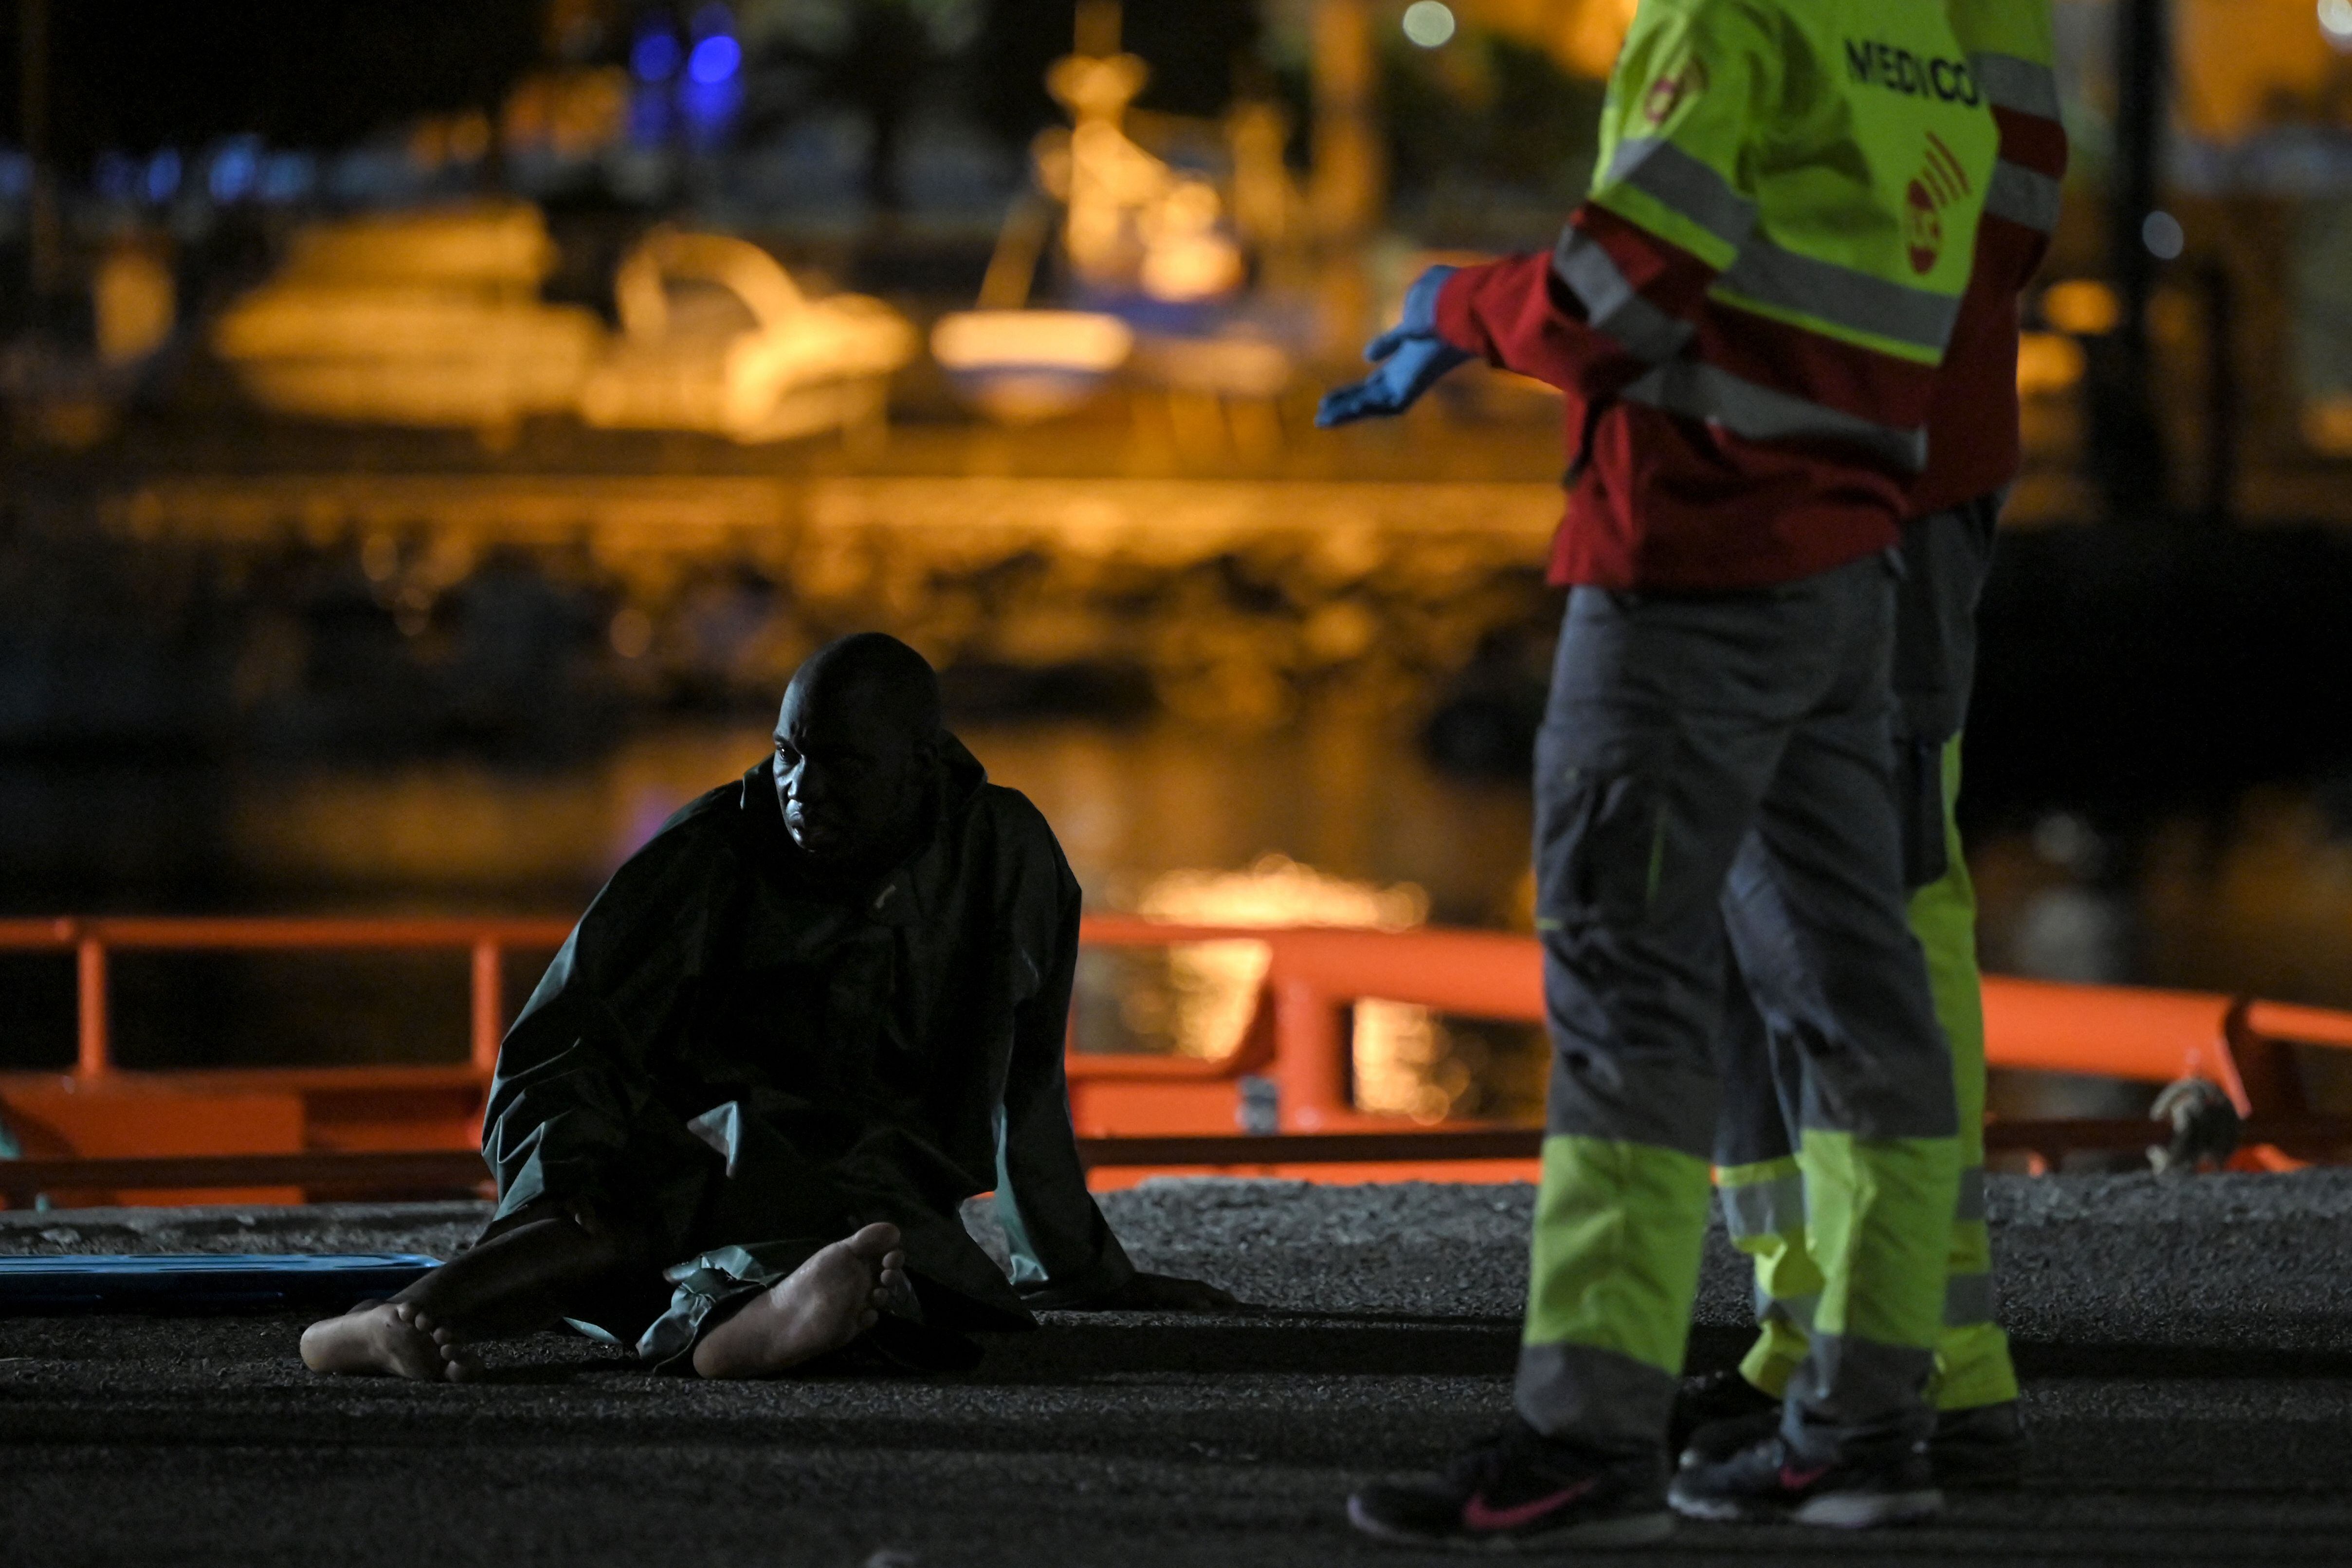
(1593, 315)
(1503, 312)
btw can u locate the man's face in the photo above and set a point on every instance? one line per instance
(849, 783)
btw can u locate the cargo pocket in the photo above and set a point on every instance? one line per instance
(1601, 837)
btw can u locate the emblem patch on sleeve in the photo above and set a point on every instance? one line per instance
(1938, 185)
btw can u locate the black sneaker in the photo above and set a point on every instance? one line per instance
(1983, 1445)
(1521, 1489)
(1718, 1440)
(1713, 1399)
(1886, 1483)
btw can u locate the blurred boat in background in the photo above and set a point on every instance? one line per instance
(435, 319)
(422, 318)
(717, 337)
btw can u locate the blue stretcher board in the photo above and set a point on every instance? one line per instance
(195, 1282)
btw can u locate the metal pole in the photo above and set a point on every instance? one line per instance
(490, 1005)
(2221, 396)
(1310, 1064)
(1345, 188)
(2128, 440)
(94, 1057)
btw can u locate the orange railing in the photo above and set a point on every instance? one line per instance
(1287, 1080)
(91, 941)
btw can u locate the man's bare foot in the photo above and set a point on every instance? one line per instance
(388, 1339)
(824, 1304)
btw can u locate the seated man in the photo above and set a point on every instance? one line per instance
(824, 1006)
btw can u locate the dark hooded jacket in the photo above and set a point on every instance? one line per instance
(730, 1050)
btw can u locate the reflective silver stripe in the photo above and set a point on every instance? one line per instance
(2016, 84)
(1796, 1310)
(1612, 304)
(1771, 275)
(1967, 1300)
(1700, 391)
(2023, 195)
(1972, 1205)
(1658, 168)
(1764, 1208)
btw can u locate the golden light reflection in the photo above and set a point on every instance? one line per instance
(134, 303)
(1401, 1053)
(2048, 363)
(1583, 35)
(2244, 65)
(1022, 366)
(2328, 426)
(1129, 218)
(2083, 306)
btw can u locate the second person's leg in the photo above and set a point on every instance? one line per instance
(1815, 908)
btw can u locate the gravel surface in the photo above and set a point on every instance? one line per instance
(2185, 1346)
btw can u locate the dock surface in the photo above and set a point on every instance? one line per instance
(2185, 1347)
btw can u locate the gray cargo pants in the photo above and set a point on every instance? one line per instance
(1678, 727)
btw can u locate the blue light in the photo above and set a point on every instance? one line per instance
(236, 169)
(163, 176)
(715, 59)
(655, 56)
(286, 177)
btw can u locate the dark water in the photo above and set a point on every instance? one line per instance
(1341, 816)
(2159, 789)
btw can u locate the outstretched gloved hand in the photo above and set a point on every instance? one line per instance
(1410, 355)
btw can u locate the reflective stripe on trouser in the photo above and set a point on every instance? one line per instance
(1764, 1202)
(1680, 729)
(1972, 1362)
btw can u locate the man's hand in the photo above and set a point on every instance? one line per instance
(1411, 356)
(1162, 1293)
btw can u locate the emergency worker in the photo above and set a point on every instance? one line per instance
(1973, 456)
(1746, 315)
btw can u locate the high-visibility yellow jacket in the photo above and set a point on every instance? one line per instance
(1748, 310)
(1972, 438)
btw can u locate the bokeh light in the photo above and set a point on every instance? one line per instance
(2335, 21)
(163, 176)
(715, 59)
(2162, 234)
(1429, 23)
(2084, 306)
(236, 171)
(655, 56)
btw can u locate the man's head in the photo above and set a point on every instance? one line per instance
(854, 742)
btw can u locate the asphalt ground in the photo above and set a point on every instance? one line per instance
(2185, 1347)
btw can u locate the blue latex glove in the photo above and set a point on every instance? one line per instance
(1411, 357)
